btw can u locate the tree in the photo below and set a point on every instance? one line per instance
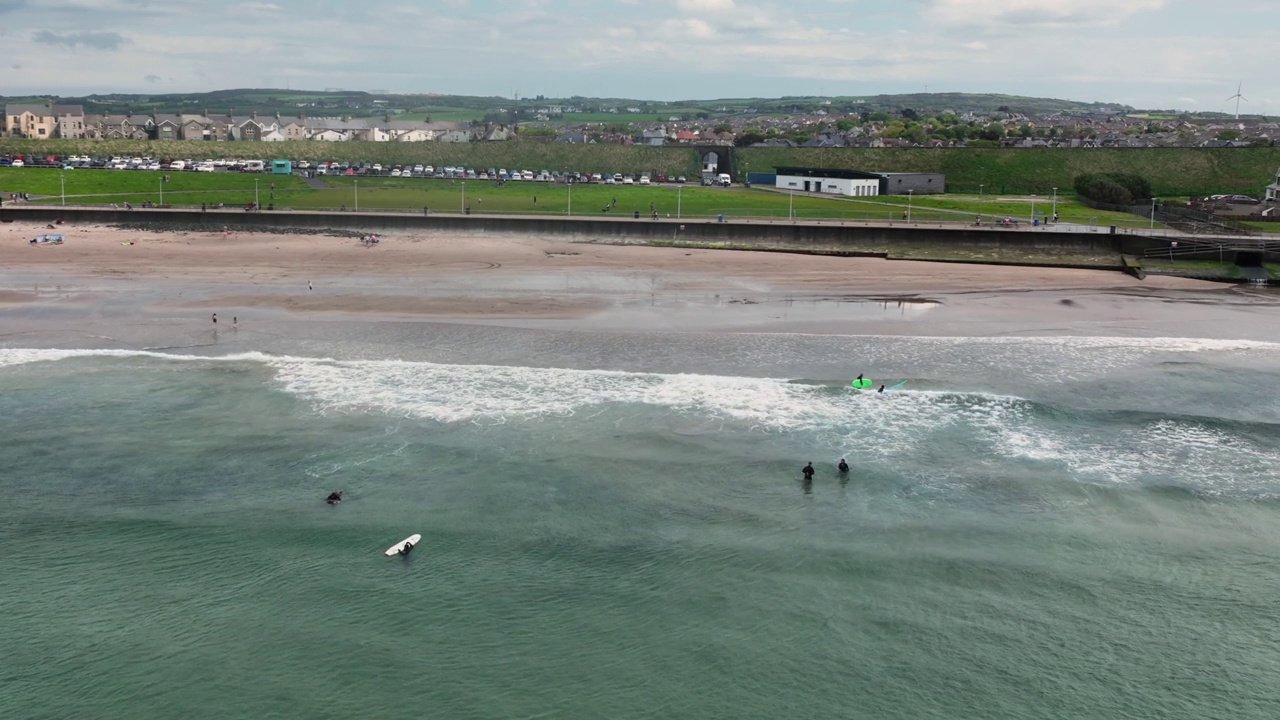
(993, 132)
(845, 124)
(749, 138)
(909, 114)
(1112, 188)
(722, 128)
(1229, 135)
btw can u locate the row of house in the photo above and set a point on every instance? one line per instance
(69, 121)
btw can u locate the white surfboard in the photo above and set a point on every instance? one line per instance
(412, 540)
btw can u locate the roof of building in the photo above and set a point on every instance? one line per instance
(43, 109)
(828, 173)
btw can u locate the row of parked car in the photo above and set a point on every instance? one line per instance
(340, 168)
(129, 163)
(464, 173)
(1233, 199)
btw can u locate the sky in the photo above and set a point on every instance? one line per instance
(1183, 54)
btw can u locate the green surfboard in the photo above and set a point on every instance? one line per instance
(863, 383)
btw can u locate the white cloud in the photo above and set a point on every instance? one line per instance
(1039, 12)
(706, 7)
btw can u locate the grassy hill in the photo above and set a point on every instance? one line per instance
(1173, 172)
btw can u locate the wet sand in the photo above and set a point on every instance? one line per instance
(109, 275)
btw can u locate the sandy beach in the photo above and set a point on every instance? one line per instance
(542, 280)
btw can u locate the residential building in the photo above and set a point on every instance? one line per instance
(41, 122)
(1273, 190)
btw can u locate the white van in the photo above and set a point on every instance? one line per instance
(255, 166)
(724, 179)
(177, 165)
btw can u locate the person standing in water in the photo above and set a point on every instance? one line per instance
(881, 389)
(808, 472)
(843, 467)
(334, 498)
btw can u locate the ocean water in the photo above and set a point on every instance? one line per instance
(614, 527)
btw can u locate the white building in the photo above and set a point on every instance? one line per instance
(1273, 190)
(851, 183)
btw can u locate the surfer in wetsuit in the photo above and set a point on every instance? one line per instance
(334, 498)
(881, 389)
(808, 472)
(843, 467)
(407, 547)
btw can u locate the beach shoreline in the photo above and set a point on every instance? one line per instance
(167, 285)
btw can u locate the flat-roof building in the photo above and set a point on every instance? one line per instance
(858, 183)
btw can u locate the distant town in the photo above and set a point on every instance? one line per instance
(908, 121)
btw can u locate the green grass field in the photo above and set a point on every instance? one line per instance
(1266, 227)
(445, 196)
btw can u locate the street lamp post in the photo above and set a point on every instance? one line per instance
(571, 197)
(679, 190)
(1153, 213)
(1055, 205)
(356, 185)
(63, 179)
(256, 206)
(791, 204)
(161, 192)
(1033, 208)
(464, 198)
(980, 186)
(910, 195)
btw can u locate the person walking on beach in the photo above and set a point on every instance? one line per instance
(234, 322)
(215, 319)
(309, 286)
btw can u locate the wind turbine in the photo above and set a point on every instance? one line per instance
(1238, 97)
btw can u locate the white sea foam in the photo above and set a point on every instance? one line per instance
(874, 426)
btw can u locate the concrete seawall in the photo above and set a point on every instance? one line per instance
(829, 237)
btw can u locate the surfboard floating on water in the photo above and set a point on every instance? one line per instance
(411, 541)
(895, 387)
(863, 383)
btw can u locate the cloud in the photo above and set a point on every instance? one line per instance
(91, 39)
(706, 7)
(1188, 101)
(975, 45)
(152, 78)
(7, 6)
(258, 8)
(1039, 12)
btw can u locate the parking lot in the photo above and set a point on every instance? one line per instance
(345, 168)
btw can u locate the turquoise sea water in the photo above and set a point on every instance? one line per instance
(614, 527)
